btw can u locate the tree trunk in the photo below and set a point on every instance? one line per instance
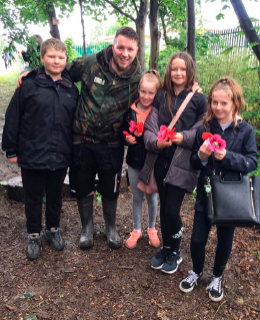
(191, 28)
(155, 34)
(247, 26)
(140, 29)
(83, 27)
(53, 22)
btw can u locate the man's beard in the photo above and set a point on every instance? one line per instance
(119, 68)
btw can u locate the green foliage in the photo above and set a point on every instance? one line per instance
(203, 40)
(111, 31)
(71, 49)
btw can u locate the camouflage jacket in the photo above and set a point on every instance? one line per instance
(105, 96)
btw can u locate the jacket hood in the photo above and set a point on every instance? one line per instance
(104, 57)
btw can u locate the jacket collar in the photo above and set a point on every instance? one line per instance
(40, 76)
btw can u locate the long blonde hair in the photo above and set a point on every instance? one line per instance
(234, 90)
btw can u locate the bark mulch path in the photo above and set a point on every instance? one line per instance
(106, 284)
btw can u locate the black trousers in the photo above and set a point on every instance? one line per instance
(171, 198)
(90, 159)
(36, 183)
(199, 238)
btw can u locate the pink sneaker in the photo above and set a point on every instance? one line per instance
(132, 240)
(154, 240)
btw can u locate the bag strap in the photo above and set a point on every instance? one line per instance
(180, 110)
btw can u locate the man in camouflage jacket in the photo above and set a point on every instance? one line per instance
(109, 81)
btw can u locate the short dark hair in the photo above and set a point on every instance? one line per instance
(126, 32)
(53, 43)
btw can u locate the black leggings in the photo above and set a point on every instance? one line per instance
(170, 205)
(199, 238)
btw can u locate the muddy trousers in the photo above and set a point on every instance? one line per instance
(171, 198)
(38, 183)
(199, 238)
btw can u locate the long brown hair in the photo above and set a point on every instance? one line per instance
(190, 73)
(233, 90)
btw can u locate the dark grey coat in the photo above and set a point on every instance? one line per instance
(180, 172)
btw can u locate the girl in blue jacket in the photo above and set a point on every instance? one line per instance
(239, 156)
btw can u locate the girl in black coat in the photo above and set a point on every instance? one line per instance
(149, 84)
(239, 156)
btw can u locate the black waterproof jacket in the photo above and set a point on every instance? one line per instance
(136, 153)
(39, 122)
(241, 155)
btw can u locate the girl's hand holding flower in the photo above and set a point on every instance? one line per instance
(130, 139)
(204, 151)
(161, 144)
(178, 138)
(220, 154)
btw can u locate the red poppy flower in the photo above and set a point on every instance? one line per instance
(126, 133)
(162, 134)
(139, 127)
(132, 126)
(206, 135)
(171, 134)
(216, 143)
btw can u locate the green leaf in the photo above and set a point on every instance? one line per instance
(254, 20)
(27, 295)
(3, 183)
(220, 16)
(227, 51)
(246, 59)
(225, 7)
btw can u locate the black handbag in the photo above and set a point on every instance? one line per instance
(233, 203)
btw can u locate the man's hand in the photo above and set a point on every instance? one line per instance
(13, 160)
(204, 151)
(19, 81)
(196, 88)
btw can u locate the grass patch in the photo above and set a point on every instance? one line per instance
(7, 88)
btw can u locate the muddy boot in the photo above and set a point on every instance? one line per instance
(109, 211)
(85, 206)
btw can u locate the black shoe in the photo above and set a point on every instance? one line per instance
(215, 289)
(171, 263)
(160, 258)
(188, 284)
(55, 239)
(33, 248)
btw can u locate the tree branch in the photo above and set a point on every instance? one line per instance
(136, 9)
(121, 11)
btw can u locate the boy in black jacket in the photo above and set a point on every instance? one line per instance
(38, 136)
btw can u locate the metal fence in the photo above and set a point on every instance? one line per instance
(230, 39)
(90, 49)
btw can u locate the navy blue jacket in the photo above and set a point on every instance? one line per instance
(39, 122)
(241, 155)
